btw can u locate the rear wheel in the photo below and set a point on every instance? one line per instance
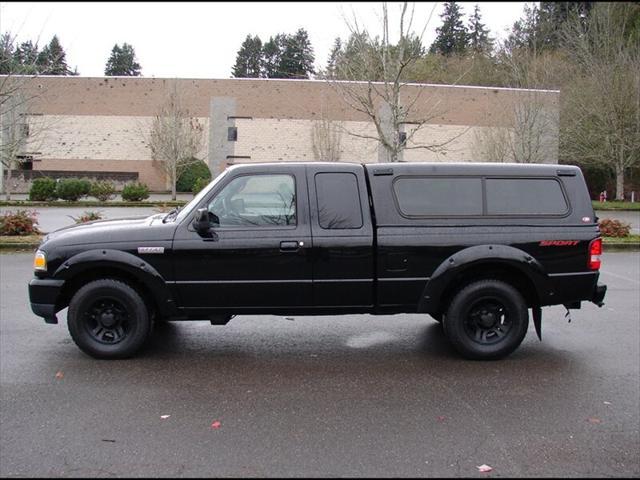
(486, 320)
(108, 319)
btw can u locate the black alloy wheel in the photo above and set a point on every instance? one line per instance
(108, 319)
(486, 320)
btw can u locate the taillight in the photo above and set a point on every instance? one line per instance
(595, 250)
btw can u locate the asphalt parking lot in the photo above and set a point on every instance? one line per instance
(354, 395)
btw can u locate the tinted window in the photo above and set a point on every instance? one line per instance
(439, 196)
(338, 200)
(524, 196)
(256, 201)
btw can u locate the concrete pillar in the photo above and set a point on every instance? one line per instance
(222, 111)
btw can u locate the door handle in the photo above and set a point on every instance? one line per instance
(290, 246)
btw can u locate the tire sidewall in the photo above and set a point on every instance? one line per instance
(130, 299)
(516, 308)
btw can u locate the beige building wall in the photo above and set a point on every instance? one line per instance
(102, 124)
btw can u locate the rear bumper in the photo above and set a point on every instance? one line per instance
(43, 295)
(571, 288)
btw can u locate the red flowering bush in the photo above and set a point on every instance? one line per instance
(614, 228)
(23, 222)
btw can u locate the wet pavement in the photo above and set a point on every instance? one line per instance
(353, 395)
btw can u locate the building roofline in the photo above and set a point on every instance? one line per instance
(439, 85)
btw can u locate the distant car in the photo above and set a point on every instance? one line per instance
(473, 245)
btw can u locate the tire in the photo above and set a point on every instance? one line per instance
(108, 319)
(486, 320)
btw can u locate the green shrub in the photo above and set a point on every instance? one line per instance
(43, 190)
(88, 216)
(614, 228)
(23, 222)
(71, 189)
(199, 184)
(134, 192)
(103, 190)
(188, 177)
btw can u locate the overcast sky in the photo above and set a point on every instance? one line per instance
(200, 40)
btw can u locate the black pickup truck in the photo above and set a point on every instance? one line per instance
(473, 245)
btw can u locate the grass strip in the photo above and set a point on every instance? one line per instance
(616, 205)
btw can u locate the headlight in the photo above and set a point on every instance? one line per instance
(40, 261)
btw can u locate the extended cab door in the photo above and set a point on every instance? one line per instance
(342, 236)
(256, 256)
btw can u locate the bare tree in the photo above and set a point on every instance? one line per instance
(602, 119)
(491, 144)
(20, 129)
(176, 138)
(381, 97)
(532, 138)
(326, 139)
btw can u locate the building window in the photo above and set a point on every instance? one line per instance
(232, 134)
(402, 136)
(24, 130)
(25, 162)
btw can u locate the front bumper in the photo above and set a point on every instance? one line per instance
(43, 295)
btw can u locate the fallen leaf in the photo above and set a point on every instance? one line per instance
(594, 420)
(164, 417)
(289, 318)
(485, 468)
(441, 418)
(215, 425)
(59, 375)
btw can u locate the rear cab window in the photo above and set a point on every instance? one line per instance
(445, 196)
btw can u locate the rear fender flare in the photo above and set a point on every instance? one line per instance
(473, 257)
(116, 259)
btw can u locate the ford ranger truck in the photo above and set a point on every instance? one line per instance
(480, 248)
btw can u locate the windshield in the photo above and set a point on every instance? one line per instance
(186, 210)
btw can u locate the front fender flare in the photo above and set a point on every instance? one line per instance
(430, 300)
(126, 262)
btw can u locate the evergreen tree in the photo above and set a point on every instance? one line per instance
(6, 54)
(452, 35)
(288, 56)
(52, 60)
(334, 58)
(122, 62)
(479, 40)
(540, 28)
(272, 56)
(26, 55)
(249, 58)
(297, 59)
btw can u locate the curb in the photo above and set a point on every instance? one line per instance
(18, 246)
(612, 247)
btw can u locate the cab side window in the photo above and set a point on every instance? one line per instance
(338, 201)
(256, 201)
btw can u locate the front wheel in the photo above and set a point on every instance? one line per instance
(108, 319)
(486, 320)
